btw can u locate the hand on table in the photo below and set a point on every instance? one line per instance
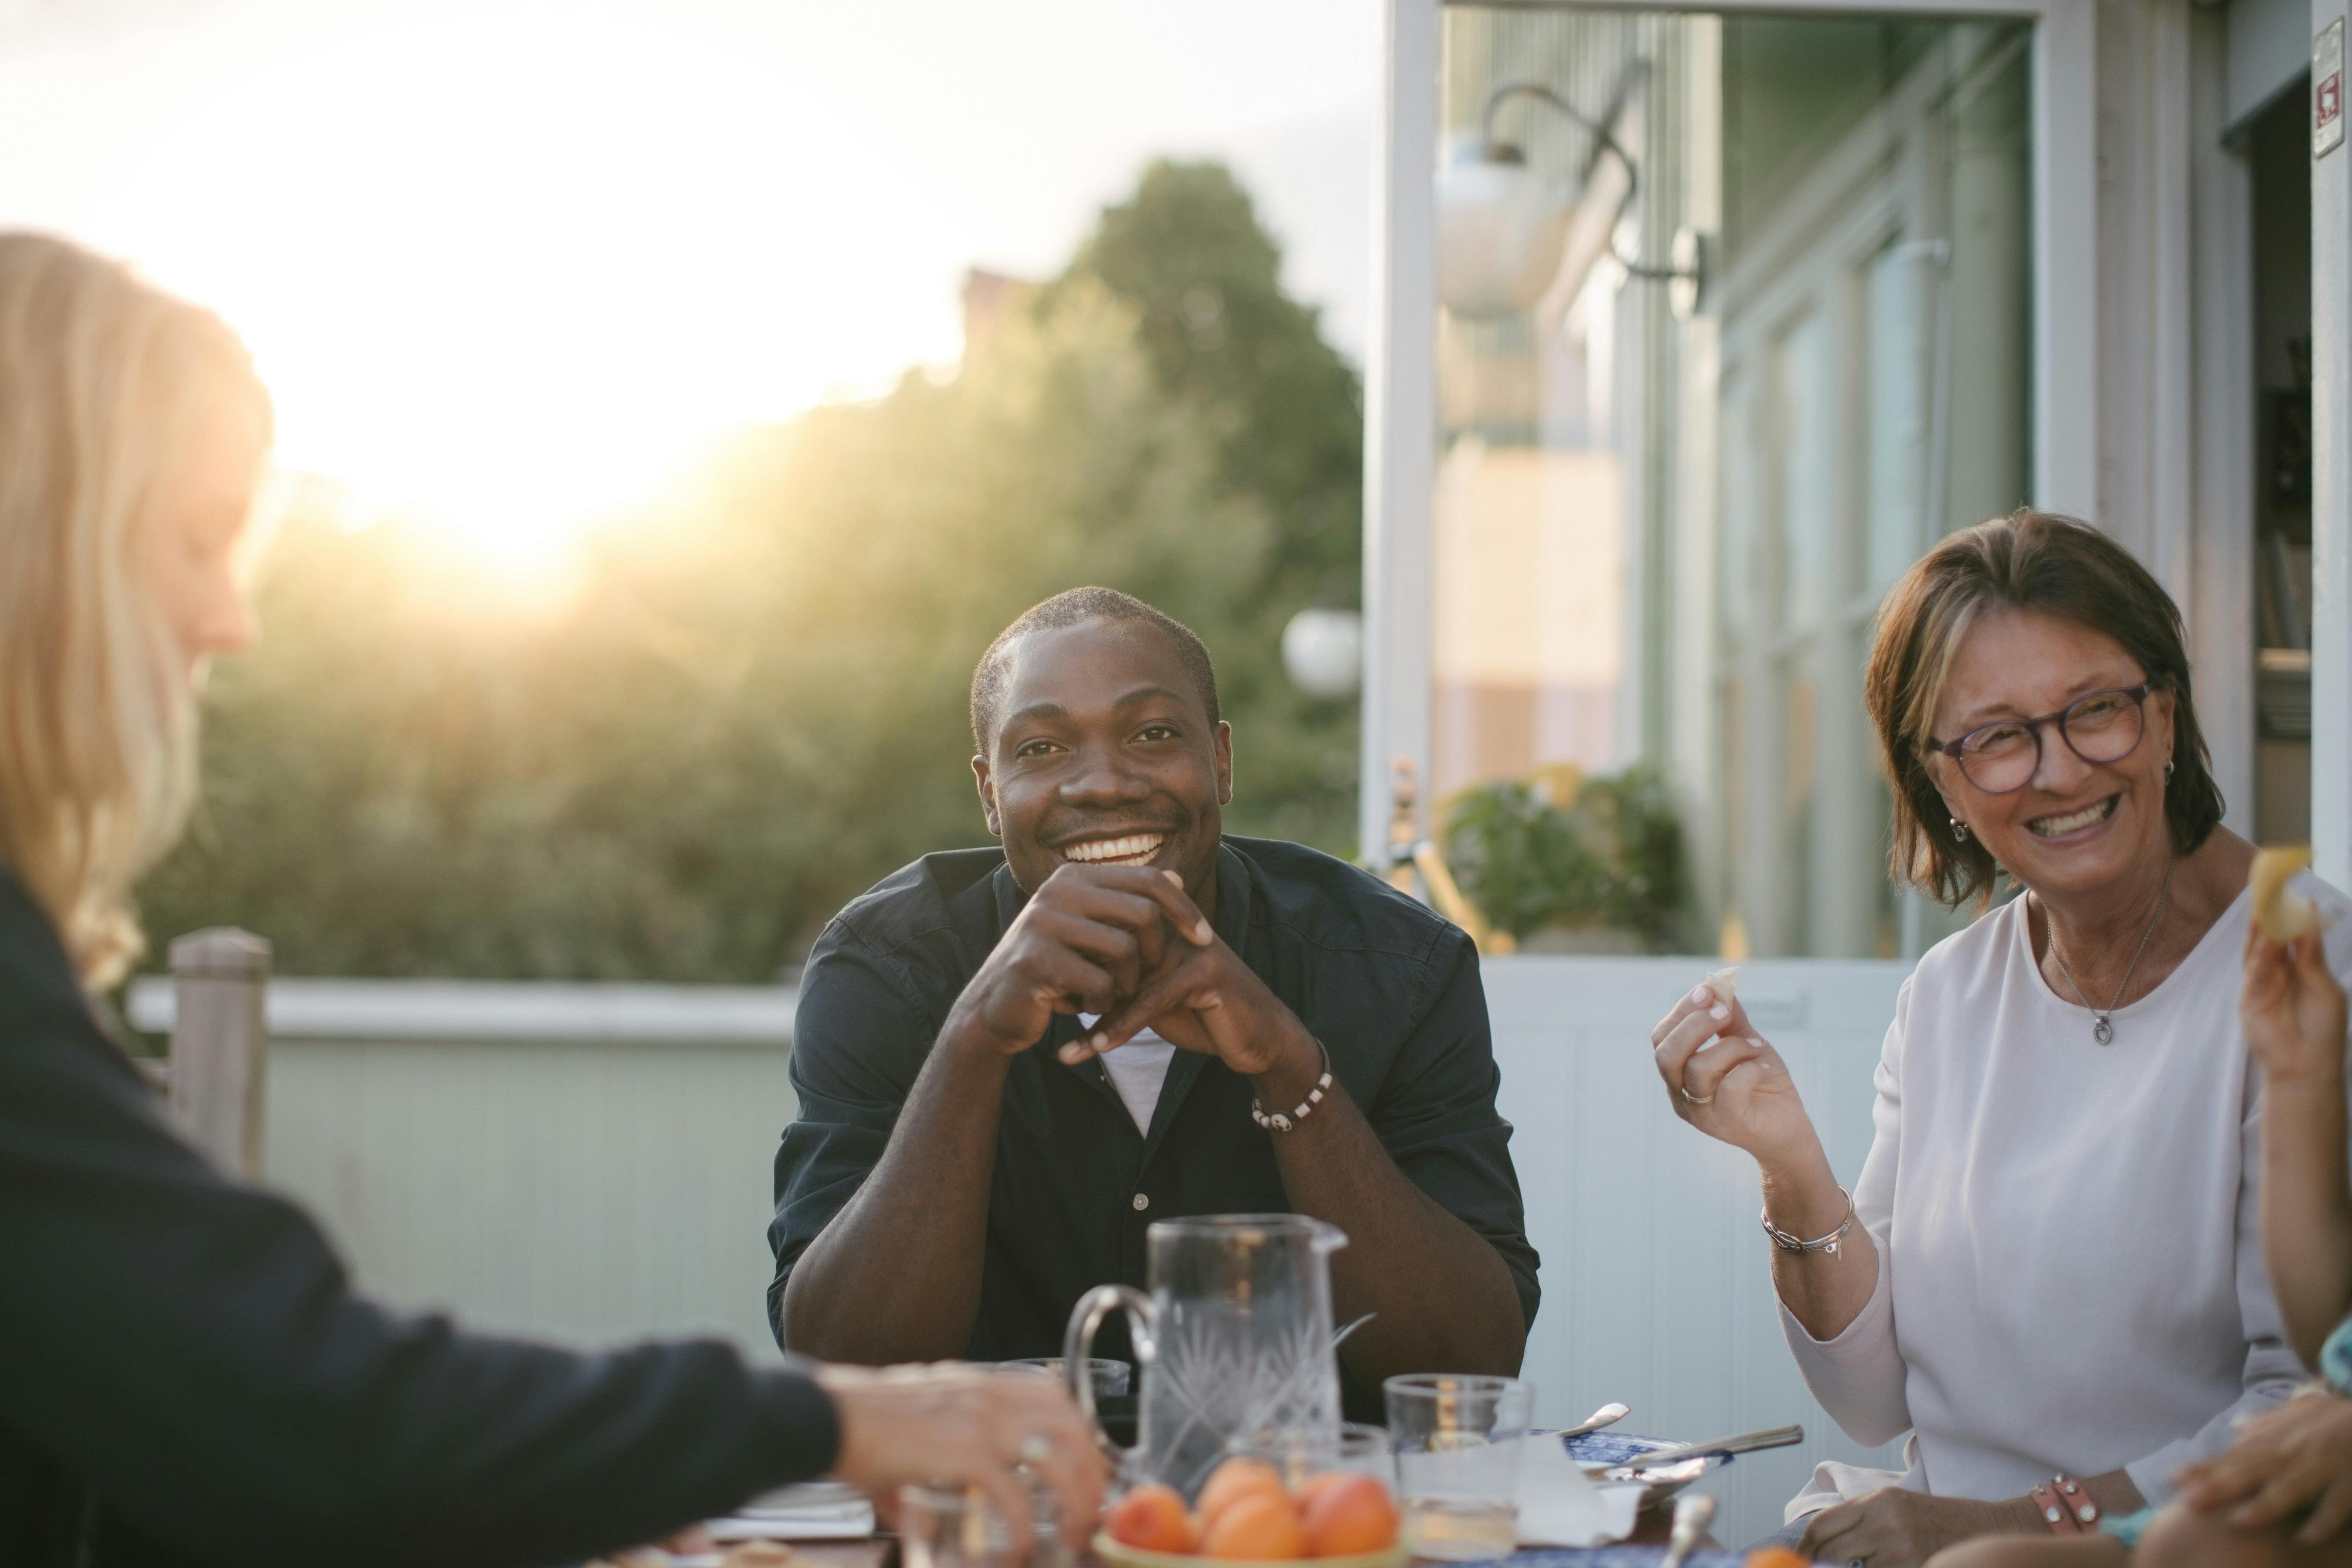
(2296, 1457)
(964, 1426)
(1087, 940)
(1893, 1527)
(1734, 1088)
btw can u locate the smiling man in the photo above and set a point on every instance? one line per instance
(1011, 1061)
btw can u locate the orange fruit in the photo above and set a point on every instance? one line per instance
(1237, 1479)
(1260, 1525)
(1314, 1486)
(1152, 1519)
(1777, 1557)
(1349, 1514)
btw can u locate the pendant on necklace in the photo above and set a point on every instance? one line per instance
(2103, 1031)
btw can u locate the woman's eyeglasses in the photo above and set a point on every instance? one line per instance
(2098, 727)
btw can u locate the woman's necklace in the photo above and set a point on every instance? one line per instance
(2102, 1028)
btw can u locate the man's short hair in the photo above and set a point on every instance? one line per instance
(1068, 608)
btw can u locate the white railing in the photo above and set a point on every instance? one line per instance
(593, 1163)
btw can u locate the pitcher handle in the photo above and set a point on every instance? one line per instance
(1078, 1346)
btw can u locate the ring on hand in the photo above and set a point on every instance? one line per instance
(1036, 1449)
(1694, 1099)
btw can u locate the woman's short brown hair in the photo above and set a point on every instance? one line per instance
(2052, 565)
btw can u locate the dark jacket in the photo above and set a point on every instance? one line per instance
(186, 1377)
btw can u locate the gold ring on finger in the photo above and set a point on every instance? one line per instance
(1694, 1099)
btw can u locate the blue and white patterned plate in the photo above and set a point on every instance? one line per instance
(1596, 1449)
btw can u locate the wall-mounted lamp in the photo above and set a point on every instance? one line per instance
(1504, 230)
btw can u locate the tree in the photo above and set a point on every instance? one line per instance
(753, 703)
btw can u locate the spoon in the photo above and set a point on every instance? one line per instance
(1694, 1511)
(1746, 1443)
(1607, 1416)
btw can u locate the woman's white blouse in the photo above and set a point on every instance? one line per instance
(2070, 1258)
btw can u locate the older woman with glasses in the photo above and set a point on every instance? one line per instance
(2049, 1270)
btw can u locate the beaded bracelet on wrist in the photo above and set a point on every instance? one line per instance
(1282, 1122)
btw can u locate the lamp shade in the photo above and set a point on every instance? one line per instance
(1324, 652)
(1500, 230)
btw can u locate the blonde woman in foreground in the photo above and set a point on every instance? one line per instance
(186, 1374)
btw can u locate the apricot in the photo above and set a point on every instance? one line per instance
(1152, 1519)
(1314, 1487)
(1777, 1557)
(1237, 1479)
(1349, 1514)
(1258, 1525)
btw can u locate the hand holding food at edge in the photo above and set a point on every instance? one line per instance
(966, 1425)
(2292, 1009)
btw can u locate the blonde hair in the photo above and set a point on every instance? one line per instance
(103, 380)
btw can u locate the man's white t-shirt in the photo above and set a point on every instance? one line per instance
(1137, 1069)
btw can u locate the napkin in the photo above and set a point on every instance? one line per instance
(1559, 1506)
(819, 1511)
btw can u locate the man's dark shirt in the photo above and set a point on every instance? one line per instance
(1390, 990)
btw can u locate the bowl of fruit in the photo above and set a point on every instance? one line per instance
(1340, 1518)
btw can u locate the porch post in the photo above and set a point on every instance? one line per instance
(2331, 457)
(1400, 418)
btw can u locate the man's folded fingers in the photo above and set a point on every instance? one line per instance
(1131, 1019)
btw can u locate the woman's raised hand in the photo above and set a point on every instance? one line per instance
(1724, 1079)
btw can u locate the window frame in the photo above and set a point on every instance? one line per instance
(1401, 425)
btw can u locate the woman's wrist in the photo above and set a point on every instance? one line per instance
(1801, 1188)
(2014, 1516)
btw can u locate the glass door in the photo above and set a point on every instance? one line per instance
(1735, 319)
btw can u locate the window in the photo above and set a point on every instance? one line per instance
(1734, 321)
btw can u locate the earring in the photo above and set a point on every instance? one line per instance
(1959, 831)
(2167, 770)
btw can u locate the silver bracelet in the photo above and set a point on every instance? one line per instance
(1275, 1121)
(1829, 1244)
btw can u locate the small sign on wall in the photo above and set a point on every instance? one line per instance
(2328, 89)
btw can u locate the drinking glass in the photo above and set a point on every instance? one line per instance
(1111, 1379)
(1367, 1451)
(945, 1527)
(1458, 1440)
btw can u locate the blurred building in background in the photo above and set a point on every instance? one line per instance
(1711, 322)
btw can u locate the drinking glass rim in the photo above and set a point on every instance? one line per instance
(1225, 1224)
(1453, 1383)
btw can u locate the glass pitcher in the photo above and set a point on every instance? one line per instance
(1233, 1344)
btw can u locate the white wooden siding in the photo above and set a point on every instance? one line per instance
(1656, 1280)
(598, 1189)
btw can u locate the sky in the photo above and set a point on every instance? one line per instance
(509, 262)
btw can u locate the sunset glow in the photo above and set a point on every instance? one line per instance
(507, 266)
